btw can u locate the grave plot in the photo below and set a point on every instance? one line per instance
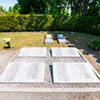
(23, 73)
(61, 39)
(74, 73)
(33, 52)
(65, 52)
(49, 39)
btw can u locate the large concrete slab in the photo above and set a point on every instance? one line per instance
(74, 73)
(65, 52)
(33, 52)
(26, 72)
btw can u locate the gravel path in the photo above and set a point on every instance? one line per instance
(49, 96)
(5, 57)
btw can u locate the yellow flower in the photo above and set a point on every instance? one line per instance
(6, 40)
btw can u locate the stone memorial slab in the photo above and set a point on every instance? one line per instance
(49, 36)
(63, 41)
(33, 52)
(65, 52)
(23, 73)
(74, 73)
(60, 36)
(48, 41)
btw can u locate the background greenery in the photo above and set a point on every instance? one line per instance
(53, 15)
(90, 24)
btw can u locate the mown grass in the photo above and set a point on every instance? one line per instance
(36, 39)
(27, 39)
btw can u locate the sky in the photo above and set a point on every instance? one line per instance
(7, 3)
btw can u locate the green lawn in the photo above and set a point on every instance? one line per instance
(36, 39)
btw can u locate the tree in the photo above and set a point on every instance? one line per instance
(27, 6)
(16, 8)
(56, 6)
(2, 11)
(94, 8)
(1, 8)
(41, 6)
(84, 7)
(10, 9)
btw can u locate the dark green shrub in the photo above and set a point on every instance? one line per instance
(89, 24)
(95, 45)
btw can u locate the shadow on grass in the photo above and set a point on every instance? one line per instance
(6, 47)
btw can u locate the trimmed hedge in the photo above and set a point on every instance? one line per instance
(50, 23)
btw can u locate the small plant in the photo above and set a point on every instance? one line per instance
(7, 42)
(95, 45)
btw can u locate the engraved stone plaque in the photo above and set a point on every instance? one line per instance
(48, 41)
(33, 52)
(60, 36)
(65, 52)
(49, 36)
(23, 73)
(74, 73)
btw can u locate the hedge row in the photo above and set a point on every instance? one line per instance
(50, 23)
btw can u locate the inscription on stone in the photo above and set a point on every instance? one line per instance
(65, 52)
(33, 52)
(24, 73)
(74, 73)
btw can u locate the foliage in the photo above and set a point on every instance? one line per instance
(1, 8)
(38, 6)
(16, 8)
(54, 7)
(57, 7)
(90, 24)
(2, 11)
(84, 7)
(10, 9)
(95, 45)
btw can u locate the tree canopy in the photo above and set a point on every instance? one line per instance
(41, 6)
(84, 7)
(57, 7)
(16, 8)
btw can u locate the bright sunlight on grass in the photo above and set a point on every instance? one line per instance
(36, 39)
(27, 39)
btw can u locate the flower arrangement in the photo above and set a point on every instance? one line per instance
(7, 41)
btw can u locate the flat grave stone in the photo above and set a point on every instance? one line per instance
(60, 36)
(49, 36)
(65, 52)
(74, 73)
(33, 52)
(25, 72)
(48, 41)
(63, 41)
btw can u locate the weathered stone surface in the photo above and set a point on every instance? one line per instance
(49, 36)
(48, 41)
(26, 72)
(60, 36)
(33, 52)
(65, 52)
(74, 73)
(63, 41)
